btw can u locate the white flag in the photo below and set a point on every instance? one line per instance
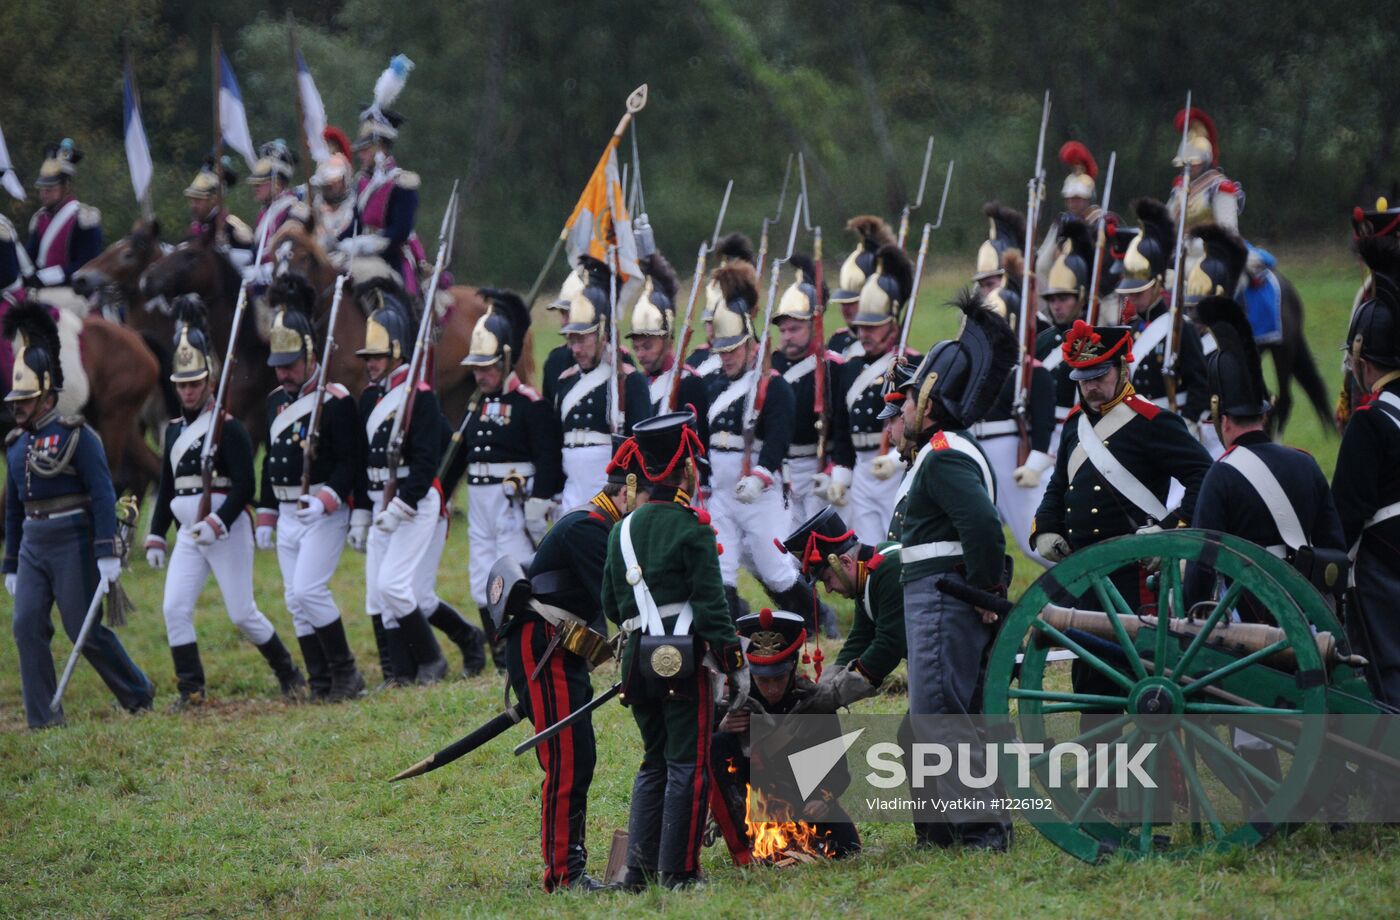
(138, 152)
(313, 112)
(233, 119)
(9, 180)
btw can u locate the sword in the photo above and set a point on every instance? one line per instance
(575, 716)
(465, 745)
(94, 608)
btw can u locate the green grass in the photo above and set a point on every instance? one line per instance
(255, 808)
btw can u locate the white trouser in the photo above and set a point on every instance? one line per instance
(804, 503)
(308, 555)
(585, 474)
(747, 531)
(871, 501)
(231, 561)
(425, 575)
(1017, 506)
(391, 560)
(495, 528)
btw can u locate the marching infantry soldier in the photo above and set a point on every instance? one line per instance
(310, 527)
(64, 234)
(60, 526)
(746, 479)
(874, 235)
(1000, 263)
(1078, 193)
(386, 195)
(271, 180)
(509, 451)
(775, 640)
(733, 247)
(404, 524)
(652, 335)
(549, 674)
(952, 531)
(560, 357)
(796, 361)
(662, 586)
(1143, 289)
(222, 540)
(1065, 293)
(209, 221)
(1364, 487)
(861, 475)
(1212, 198)
(585, 393)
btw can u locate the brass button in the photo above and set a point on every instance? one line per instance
(1096, 530)
(1096, 488)
(1093, 511)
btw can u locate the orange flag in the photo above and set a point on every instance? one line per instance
(600, 219)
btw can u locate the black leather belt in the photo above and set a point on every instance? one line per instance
(41, 509)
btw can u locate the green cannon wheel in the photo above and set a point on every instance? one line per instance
(1219, 796)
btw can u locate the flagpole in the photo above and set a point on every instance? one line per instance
(296, 86)
(216, 61)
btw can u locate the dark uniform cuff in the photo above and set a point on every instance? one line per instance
(104, 547)
(864, 672)
(731, 658)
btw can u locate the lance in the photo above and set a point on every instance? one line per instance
(769, 221)
(1173, 341)
(1101, 243)
(466, 744)
(1035, 191)
(909, 208)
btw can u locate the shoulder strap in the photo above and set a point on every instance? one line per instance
(1124, 482)
(587, 383)
(1389, 404)
(1152, 335)
(867, 376)
(735, 391)
(1262, 479)
(647, 611)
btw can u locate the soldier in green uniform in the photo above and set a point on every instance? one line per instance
(952, 531)
(662, 586)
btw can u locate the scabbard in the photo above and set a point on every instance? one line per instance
(465, 745)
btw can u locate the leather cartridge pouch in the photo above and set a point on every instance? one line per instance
(1326, 569)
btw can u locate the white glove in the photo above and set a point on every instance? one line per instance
(1150, 528)
(366, 244)
(51, 276)
(397, 511)
(11, 583)
(109, 568)
(208, 530)
(310, 509)
(1027, 476)
(537, 518)
(886, 466)
(1051, 547)
(262, 536)
(358, 537)
(241, 258)
(258, 274)
(841, 477)
(821, 484)
(753, 485)
(155, 552)
(513, 486)
(1154, 563)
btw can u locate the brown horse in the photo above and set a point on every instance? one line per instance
(196, 267)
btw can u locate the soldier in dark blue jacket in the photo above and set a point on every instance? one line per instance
(60, 526)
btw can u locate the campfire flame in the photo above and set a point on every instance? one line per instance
(786, 839)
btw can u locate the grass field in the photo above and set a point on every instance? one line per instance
(253, 808)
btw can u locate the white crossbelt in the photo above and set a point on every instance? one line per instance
(993, 429)
(65, 216)
(500, 470)
(736, 390)
(1054, 359)
(1262, 479)
(800, 369)
(586, 384)
(583, 437)
(727, 440)
(1392, 402)
(1150, 337)
(1062, 412)
(649, 614)
(1118, 476)
(380, 474)
(187, 483)
(867, 377)
(939, 549)
(193, 432)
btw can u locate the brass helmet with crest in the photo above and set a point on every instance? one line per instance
(590, 309)
(193, 359)
(292, 337)
(655, 310)
(389, 331)
(1201, 146)
(276, 163)
(1219, 271)
(887, 288)
(499, 336)
(37, 371)
(874, 233)
(1000, 254)
(733, 248)
(1083, 171)
(1149, 252)
(60, 163)
(212, 180)
(1074, 257)
(800, 300)
(573, 283)
(733, 320)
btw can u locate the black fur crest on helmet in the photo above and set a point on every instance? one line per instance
(894, 264)
(32, 319)
(736, 246)
(738, 281)
(874, 232)
(807, 271)
(512, 306)
(662, 275)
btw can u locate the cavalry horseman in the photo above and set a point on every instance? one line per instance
(210, 222)
(64, 234)
(214, 534)
(862, 476)
(662, 586)
(310, 527)
(585, 393)
(60, 526)
(404, 524)
(734, 247)
(271, 180)
(1078, 192)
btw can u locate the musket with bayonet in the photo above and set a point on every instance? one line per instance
(1178, 312)
(216, 421)
(769, 221)
(618, 389)
(758, 389)
(819, 366)
(918, 202)
(1101, 241)
(684, 330)
(1025, 333)
(313, 432)
(398, 428)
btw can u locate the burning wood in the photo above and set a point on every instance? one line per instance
(784, 842)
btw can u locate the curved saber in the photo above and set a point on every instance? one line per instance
(465, 745)
(582, 712)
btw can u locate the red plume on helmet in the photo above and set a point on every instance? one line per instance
(1206, 122)
(1073, 154)
(337, 140)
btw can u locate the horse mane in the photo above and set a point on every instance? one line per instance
(300, 235)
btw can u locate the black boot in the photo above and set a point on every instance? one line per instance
(289, 676)
(644, 828)
(189, 676)
(318, 671)
(386, 658)
(346, 681)
(464, 635)
(497, 644)
(737, 606)
(402, 668)
(418, 636)
(681, 825)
